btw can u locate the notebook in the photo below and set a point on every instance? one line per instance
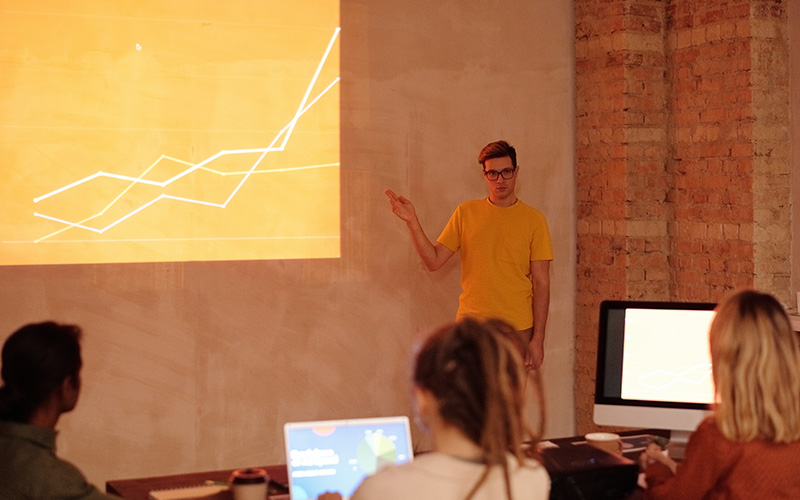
(336, 455)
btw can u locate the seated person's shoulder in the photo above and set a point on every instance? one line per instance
(531, 473)
(533, 466)
(45, 477)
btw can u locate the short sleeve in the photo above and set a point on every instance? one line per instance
(541, 246)
(451, 234)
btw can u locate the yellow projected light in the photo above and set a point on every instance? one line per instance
(160, 131)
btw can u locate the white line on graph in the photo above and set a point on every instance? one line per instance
(285, 132)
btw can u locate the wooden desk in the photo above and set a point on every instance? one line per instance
(138, 489)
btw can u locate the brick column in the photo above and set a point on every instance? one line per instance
(710, 70)
(623, 183)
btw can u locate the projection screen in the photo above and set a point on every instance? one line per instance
(168, 130)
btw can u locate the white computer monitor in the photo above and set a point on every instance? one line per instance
(654, 366)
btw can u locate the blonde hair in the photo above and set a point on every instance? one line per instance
(476, 373)
(755, 358)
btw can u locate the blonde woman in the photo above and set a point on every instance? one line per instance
(750, 448)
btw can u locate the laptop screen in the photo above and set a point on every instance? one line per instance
(336, 455)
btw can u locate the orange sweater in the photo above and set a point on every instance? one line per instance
(715, 468)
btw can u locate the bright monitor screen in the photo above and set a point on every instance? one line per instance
(181, 130)
(654, 365)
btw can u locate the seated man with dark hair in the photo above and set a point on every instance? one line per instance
(41, 366)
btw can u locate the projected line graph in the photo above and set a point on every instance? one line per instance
(278, 144)
(187, 132)
(81, 224)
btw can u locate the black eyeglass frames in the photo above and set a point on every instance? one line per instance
(506, 173)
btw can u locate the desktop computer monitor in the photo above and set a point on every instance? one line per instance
(654, 366)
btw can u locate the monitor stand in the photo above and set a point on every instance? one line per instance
(677, 444)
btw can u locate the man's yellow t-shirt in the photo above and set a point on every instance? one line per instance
(497, 245)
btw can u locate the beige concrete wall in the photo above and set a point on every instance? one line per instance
(196, 366)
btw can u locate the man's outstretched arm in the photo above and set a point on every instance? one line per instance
(433, 256)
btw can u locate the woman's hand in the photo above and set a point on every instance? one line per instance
(654, 454)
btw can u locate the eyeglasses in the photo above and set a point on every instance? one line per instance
(507, 173)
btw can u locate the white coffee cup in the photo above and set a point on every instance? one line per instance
(606, 441)
(249, 484)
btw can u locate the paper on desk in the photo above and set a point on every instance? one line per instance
(543, 445)
(200, 492)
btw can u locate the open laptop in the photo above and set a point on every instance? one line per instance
(336, 455)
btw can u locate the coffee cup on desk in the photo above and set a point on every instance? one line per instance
(606, 441)
(249, 484)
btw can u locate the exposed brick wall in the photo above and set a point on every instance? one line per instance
(710, 52)
(682, 156)
(622, 149)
